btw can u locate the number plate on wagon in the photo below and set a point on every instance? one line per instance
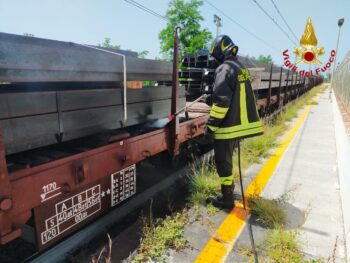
(69, 212)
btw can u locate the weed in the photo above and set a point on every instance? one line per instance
(288, 195)
(268, 212)
(246, 251)
(203, 183)
(212, 210)
(104, 259)
(161, 234)
(280, 246)
(196, 214)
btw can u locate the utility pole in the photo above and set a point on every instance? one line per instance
(217, 21)
(340, 23)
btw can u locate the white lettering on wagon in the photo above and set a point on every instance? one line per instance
(50, 190)
(72, 211)
(123, 184)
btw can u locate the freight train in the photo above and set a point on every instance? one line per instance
(72, 132)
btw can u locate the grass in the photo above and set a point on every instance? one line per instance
(203, 183)
(159, 235)
(268, 212)
(212, 210)
(280, 246)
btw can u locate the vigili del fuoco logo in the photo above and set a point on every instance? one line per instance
(308, 53)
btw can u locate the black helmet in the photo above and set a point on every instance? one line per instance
(222, 47)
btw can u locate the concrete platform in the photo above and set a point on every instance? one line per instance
(309, 170)
(314, 172)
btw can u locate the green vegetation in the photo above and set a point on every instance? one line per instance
(280, 246)
(159, 235)
(265, 59)
(203, 183)
(212, 210)
(143, 54)
(185, 14)
(108, 44)
(269, 213)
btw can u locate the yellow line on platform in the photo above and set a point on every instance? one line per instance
(220, 245)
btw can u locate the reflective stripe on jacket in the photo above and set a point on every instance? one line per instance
(234, 113)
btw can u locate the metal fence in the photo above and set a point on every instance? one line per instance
(341, 81)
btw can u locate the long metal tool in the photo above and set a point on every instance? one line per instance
(172, 116)
(250, 230)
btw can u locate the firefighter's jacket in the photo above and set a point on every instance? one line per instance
(234, 113)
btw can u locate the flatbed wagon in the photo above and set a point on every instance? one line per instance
(59, 187)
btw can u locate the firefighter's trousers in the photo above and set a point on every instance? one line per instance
(223, 150)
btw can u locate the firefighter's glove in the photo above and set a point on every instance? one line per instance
(208, 135)
(208, 100)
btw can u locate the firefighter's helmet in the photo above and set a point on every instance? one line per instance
(222, 47)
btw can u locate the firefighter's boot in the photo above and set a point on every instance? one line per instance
(226, 200)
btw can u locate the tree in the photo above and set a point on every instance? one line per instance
(107, 44)
(187, 16)
(265, 59)
(143, 54)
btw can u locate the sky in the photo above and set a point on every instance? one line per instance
(90, 21)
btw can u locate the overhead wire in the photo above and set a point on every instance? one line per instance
(275, 22)
(150, 11)
(284, 20)
(146, 9)
(242, 27)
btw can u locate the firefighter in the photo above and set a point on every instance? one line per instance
(233, 113)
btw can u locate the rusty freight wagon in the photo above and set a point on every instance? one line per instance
(71, 132)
